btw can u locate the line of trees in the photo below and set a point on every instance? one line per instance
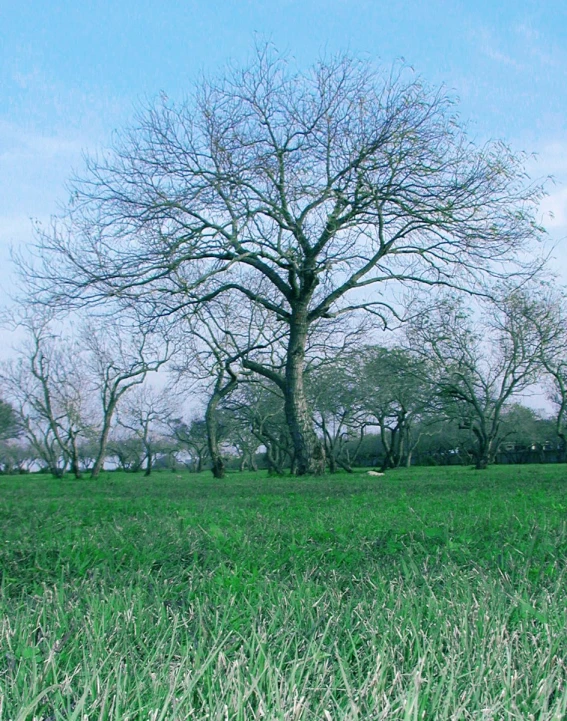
(448, 392)
(269, 225)
(65, 391)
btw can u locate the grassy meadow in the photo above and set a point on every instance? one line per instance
(430, 593)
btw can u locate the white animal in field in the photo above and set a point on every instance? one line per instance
(374, 473)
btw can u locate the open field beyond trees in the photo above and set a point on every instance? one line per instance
(430, 593)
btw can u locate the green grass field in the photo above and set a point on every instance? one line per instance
(432, 593)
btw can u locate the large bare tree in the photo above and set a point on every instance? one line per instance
(309, 194)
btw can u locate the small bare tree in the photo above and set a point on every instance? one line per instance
(482, 360)
(145, 413)
(336, 397)
(241, 437)
(193, 437)
(50, 390)
(120, 356)
(212, 358)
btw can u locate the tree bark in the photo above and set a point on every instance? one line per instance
(103, 440)
(75, 464)
(387, 439)
(485, 454)
(149, 461)
(217, 463)
(219, 392)
(309, 451)
(482, 462)
(487, 445)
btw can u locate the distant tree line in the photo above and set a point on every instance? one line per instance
(448, 392)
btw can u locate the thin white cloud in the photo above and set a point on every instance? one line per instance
(35, 168)
(528, 32)
(491, 46)
(539, 48)
(522, 48)
(16, 141)
(551, 159)
(500, 57)
(554, 210)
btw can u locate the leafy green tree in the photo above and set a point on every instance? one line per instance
(482, 361)
(128, 451)
(336, 395)
(526, 427)
(194, 438)
(396, 392)
(553, 333)
(10, 425)
(260, 407)
(16, 457)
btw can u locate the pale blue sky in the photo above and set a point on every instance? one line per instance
(71, 72)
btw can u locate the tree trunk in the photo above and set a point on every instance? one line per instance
(309, 452)
(332, 464)
(274, 459)
(56, 470)
(396, 455)
(217, 463)
(329, 447)
(103, 441)
(345, 464)
(75, 465)
(484, 450)
(149, 461)
(217, 467)
(482, 462)
(402, 440)
(387, 445)
(483, 455)
(562, 446)
(219, 392)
